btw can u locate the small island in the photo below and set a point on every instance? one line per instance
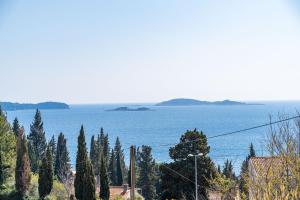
(194, 102)
(130, 109)
(9, 106)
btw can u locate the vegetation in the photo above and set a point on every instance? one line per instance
(120, 163)
(104, 182)
(174, 185)
(84, 180)
(22, 172)
(62, 161)
(46, 174)
(37, 142)
(146, 165)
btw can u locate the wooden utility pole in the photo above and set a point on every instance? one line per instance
(132, 172)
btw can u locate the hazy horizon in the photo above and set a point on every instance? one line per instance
(136, 51)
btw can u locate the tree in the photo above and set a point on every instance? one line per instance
(37, 141)
(16, 126)
(93, 153)
(52, 144)
(8, 147)
(243, 186)
(106, 149)
(46, 174)
(228, 170)
(62, 160)
(120, 163)
(1, 169)
(112, 168)
(84, 180)
(146, 165)
(104, 183)
(22, 172)
(173, 185)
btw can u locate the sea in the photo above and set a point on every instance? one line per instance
(161, 126)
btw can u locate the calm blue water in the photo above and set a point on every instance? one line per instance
(163, 126)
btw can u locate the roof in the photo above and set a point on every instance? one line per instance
(262, 165)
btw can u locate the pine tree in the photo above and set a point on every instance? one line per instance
(146, 165)
(119, 163)
(22, 172)
(228, 170)
(84, 180)
(62, 160)
(104, 183)
(112, 168)
(46, 174)
(16, 126)
(37, 141)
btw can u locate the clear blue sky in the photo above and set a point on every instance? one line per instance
(147, 51)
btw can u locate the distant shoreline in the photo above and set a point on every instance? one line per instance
(9, 106)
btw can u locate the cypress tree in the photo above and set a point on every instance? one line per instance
(106, 148)
(93, 154)
(22, 172)
(112, 168)
(129, 175)
(84, 180)
(37, 141)
(104, 183)
(52, 144)
(46, 174)
(119, 162)
(16, 127)
(146, 165)
(62, 160)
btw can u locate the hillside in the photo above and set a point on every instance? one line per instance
(194, 102)
(8, 106)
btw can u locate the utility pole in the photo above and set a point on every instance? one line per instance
(132, 171)
(196, 173)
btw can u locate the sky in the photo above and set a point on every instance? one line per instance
(100, 51)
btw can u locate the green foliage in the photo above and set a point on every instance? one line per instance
(112, 168)
(16, 127)
(228, 170)
(84, 180)
(119, 162)
(243, 183)
(7, 148)
(46, 174)
(223, 185)
(146, 165)
(37, 141)
(173, 185)
(62, 160)
(104, 182)
(22, 173)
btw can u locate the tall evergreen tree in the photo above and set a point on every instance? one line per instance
(104, 183)
(112, 168)
(16, 126)
(244, 172)
(22, 172)
(228, 170)
(106, 148)
(62, 160)
(146, 165)
(84, 180)
(46, 174)
(37, 141)
(93, 153)
(8, 148)
(129, 175)
(52, 144)
(191, 142)
(120, 164)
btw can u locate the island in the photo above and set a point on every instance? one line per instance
(194, 102)
(9, 106)
(130, 109)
